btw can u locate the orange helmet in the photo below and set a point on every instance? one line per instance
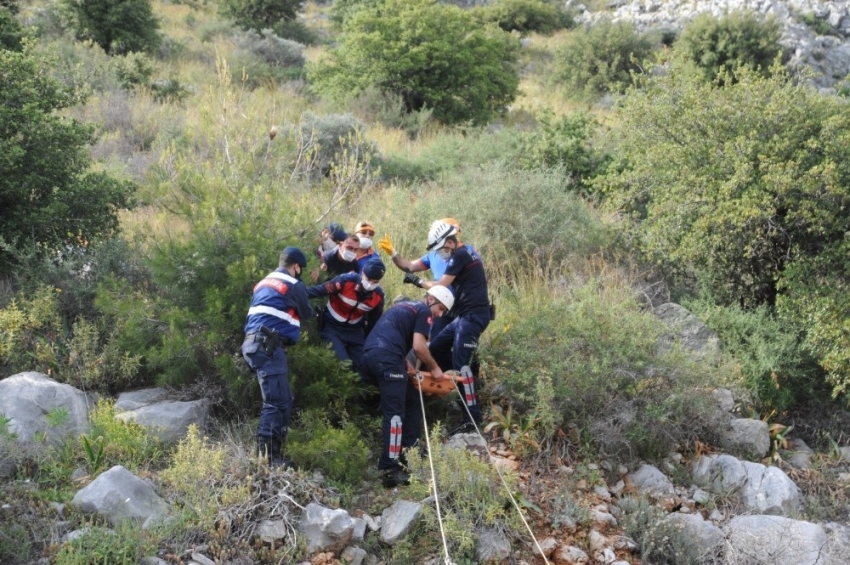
(364, 226)
(452, 222)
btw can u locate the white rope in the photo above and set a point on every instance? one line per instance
(499, 472)
(433, 474)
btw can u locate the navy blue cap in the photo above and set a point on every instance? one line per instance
(294, 255)
(337, 232)
(374, 269)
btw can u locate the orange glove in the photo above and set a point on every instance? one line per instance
(385, 244)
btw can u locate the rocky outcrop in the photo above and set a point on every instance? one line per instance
(765, 490)
(828, 55)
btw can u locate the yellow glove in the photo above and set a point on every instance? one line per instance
(385, 244)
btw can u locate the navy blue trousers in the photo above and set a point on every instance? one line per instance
(273, 375)
(455, 346)
(400, 405)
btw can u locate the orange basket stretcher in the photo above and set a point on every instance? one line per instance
(432, 387)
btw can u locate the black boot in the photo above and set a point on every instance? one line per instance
(271, 449)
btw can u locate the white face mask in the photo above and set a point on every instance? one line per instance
(367, 285)
(348, 255)
(445, 253)
(365, 242)
(328, 244)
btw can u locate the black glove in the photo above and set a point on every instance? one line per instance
(410, 278)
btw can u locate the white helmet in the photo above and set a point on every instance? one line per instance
(437, 234)
(444, 295)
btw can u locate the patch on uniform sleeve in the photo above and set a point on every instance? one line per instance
(429, 320)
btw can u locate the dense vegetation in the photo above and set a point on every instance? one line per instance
(148, 180)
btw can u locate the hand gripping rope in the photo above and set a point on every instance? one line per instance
(421, 381)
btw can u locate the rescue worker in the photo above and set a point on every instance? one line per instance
(457, 343)
(278, 305)
(364, 232)
(402, 327)
(341, 260)
(431, 260)
(355, 304)
(330, 239)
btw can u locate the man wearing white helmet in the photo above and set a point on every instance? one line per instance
(404, 326)
(457, 343)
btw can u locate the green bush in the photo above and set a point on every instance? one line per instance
(125, 545)
(118, 26)
(471, 492)
(586, 356)
(49, 196)
(267, 58)
(341, 10)
(745, 188)
(338, 451)
(722, 45)
(771, 357)
(524, 16)
(325, 138)
(198, 476)
(602, 58)
(565, 142)
(11, 33)
(259, 14)
(272, 49)
(388, 108)
(432, 55)
(124, 443)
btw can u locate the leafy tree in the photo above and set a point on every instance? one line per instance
(602, 58)
(746, 187)
(524, 16)
(11, 34)
(724, 44)
(48, 194)
(118, 26)
(432, 55)
(276, 15)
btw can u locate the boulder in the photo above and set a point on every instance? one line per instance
(748, 434)
(704, 536)
(353, 555)
(119, 495)
(168, 420)
(649, 480)
(798, 454)
(776, 540)
(325, 529)
(134, 399)
(765, 490)
(570, 555)
(721, 474)
(398, 519)
(768, 490)
(493, 546)
(39, 407)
